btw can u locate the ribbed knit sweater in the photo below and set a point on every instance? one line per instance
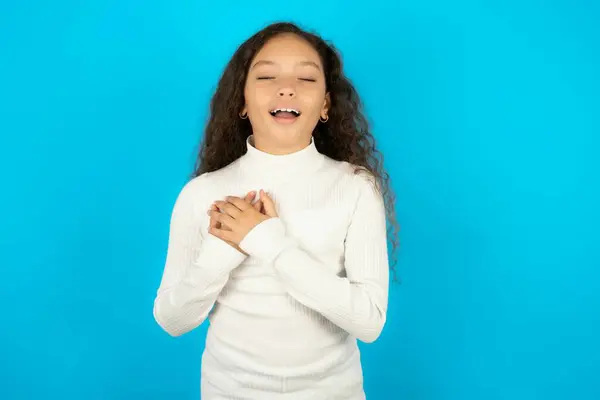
(283, 321)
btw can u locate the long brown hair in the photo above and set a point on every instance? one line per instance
(345, 136)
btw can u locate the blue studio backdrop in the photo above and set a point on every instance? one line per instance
(487, 113)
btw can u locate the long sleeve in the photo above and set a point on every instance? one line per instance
(196, 268)
(356, 303)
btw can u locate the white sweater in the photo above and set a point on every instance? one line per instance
(284, 321)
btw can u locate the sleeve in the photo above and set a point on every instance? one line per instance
(196, 268)
(356, 303)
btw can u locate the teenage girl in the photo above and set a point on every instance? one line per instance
(280, 238)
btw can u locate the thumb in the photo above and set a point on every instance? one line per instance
(268, 204)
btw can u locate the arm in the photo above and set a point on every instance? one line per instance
(356, 303)
(196, 268)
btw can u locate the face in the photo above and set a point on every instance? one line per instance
(285, 94)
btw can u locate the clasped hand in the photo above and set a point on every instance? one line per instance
(232, 219)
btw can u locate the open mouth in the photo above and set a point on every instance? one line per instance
(288, 114)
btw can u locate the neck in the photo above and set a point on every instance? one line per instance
(264, 146)
(267, 162)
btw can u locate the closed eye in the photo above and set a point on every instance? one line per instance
(308, 79)
(265, 77)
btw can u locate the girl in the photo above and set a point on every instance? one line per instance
(279, 239)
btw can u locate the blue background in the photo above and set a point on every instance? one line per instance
(488, 113)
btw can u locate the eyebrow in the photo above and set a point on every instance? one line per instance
(302, 63)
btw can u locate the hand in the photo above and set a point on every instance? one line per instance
(214, 223)
(238, 217)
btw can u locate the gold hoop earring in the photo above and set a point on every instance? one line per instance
(243, 116)
(324, 120)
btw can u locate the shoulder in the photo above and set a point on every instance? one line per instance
(198, 192)
(191, 197)
(353, 176)
(362, 189)
(207, 183)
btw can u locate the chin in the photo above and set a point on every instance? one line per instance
(284, 137)
(284, 133)
(290, 136)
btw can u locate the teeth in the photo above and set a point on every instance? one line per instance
(291, 110)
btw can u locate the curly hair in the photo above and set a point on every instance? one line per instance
(345, 137)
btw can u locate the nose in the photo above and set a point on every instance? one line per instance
(287, 92)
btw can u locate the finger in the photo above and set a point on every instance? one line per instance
(241, 204)
(216, 224)
(250, 196)
(225, 220)
(258, 206)
(212, 222)
(268, 203)
(222, 234)
(212, 208)
(223, 226)
(228, 208)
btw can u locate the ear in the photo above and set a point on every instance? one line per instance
(326, 105)
(244, 113)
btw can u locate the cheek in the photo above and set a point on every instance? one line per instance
(312, 106)
(257, 99)
(312, 99)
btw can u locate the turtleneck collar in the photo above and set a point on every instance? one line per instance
(256, 162)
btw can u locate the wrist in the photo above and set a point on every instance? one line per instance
(217, 251)
(266, 240)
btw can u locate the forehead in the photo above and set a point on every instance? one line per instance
(287, 47)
